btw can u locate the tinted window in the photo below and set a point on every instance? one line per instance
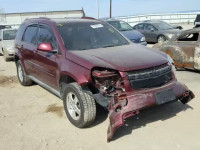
(86, 35)
(189, 37)
(149, 27)
(120, 25)
(9, 34)
(20, 32)
(163, 26)
(45, 35)
(140, 27)
(30, 34)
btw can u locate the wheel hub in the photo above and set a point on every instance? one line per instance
(73, 105)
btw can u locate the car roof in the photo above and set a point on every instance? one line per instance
(63, 20)
(8, 29)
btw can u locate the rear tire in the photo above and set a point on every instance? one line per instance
(79, 105)
(22, 77)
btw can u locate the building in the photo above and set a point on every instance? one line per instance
(15, 19)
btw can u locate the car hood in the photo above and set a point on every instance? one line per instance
(8, 43)
(122, 58)
(132, 34)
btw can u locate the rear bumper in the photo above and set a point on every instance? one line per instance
(121, 109)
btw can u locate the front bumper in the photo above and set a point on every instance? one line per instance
(9, 53)
(129, 105)
(143, 43)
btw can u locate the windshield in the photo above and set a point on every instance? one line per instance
(9, 34)
(163, 26)
(84, 36)
(120, 25)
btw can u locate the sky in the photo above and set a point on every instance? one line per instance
(120, 7)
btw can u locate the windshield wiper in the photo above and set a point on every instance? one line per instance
(110, 46)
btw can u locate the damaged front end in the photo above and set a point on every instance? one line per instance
(124, 94)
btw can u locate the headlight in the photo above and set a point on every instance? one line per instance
(169, 35)
(172, 63)
(142, 39)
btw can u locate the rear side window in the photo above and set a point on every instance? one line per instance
(45, 35)
(30, 35)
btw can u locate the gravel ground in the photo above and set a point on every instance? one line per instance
(31, 118)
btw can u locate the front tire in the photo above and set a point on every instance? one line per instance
(161, 39)
(22, 77)
(4, 56)
(79, 105)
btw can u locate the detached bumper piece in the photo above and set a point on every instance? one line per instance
(122, 107)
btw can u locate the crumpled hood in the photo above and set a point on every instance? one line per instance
(122, 58)
(132, 34)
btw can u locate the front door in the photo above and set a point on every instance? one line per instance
(151, 33)
(46, 62)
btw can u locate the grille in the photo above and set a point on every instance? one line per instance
(151, 77)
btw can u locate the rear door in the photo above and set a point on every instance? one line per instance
(28, 47)
(45, 62)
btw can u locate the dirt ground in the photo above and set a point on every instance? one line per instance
(31, 118)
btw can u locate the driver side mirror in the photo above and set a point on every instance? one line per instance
(45, 47)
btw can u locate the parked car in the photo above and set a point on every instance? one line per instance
(87, 61)
(4, 27)
(156, 31)
(197, 21)
(184, 49)
(7, 38)
(128, 31)
(172, 26)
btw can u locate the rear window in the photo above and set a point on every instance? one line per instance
(86, 35)
(9, 34)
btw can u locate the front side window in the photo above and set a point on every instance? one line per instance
(86, 35)
(140, 27)
(9, 34)
(150, 27)
(30, 35)
(45, 35)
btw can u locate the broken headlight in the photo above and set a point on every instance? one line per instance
(108, 82)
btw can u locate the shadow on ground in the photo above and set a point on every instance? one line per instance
(150, 115)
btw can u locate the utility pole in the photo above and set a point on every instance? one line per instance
(98, 9)
(110, 8)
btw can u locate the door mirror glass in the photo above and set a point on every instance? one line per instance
(45, 47)
(152, 29)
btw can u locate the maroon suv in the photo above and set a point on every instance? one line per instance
(86, 61)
